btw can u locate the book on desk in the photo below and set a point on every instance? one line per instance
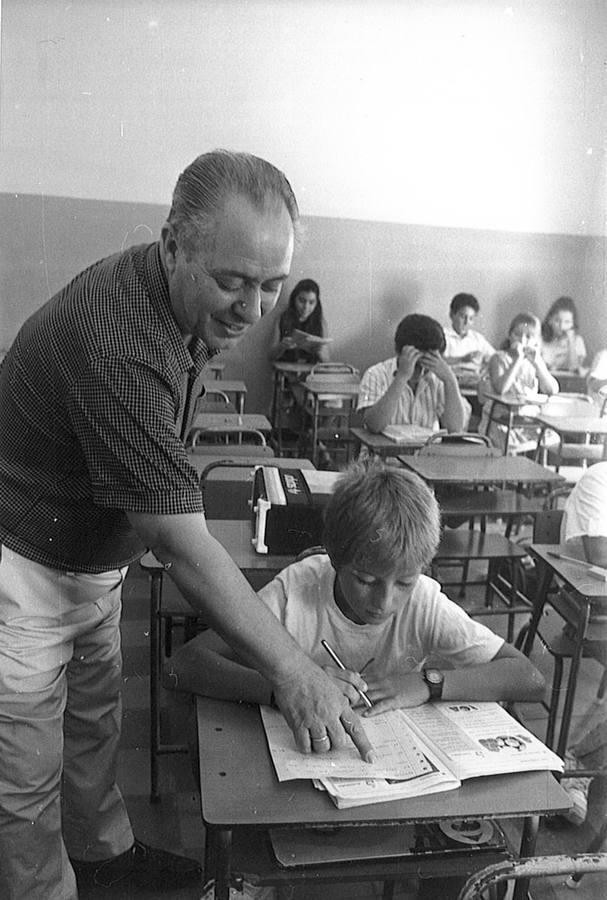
(422, 750)
(414, 434)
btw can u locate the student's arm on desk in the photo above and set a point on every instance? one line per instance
(208, 666)
(508, 676)
(216, 589)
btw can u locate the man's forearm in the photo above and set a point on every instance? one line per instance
(216, 589)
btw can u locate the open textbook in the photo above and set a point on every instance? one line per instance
(429, 748)
(302, 338)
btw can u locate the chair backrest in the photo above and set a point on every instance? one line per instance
(310, 551)
(465, 443)
(212, 443)
(547, 526)
(214, 400)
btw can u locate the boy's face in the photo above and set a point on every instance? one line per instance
(370, 597)
(463, 320)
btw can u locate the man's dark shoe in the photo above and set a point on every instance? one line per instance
(141, 865)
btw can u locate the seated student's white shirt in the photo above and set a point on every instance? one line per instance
(585, 510)
(598, 371)
(424, 407)
(556, 352)
(301, 597)
(472, 342)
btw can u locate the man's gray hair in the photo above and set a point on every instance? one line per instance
(204, 185)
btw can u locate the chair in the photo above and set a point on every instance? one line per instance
(579, 453)
(468, 444)
(521, 870)
(332, 393)
(214, 399)
(251, 438)
(256, 448)
(458, 548)
(465, 443)
(578, 639)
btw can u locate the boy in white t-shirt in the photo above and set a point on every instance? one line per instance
(367, 597)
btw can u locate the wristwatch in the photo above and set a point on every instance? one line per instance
(435, 679)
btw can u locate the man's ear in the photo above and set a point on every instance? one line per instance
(169, 247)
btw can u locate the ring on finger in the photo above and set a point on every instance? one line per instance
(321, 740)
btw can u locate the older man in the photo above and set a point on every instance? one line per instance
(96, 395)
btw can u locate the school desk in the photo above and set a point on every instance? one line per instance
(234, 388)
(516, 410)
(209, 424)
(380, 445)
(582, 427)
(584, 600)
(480, 470)
(319, 397)
(241, 799)
(283, 372)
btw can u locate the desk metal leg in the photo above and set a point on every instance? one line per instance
(538, 609)
(155, 596)
(315, 430)
(528, 839)
(574, 668)
(222, 846)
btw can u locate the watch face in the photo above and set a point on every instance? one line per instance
(434, 676)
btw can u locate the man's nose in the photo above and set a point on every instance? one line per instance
(249, 307)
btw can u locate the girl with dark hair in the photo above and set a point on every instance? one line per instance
(301, 331)
(563, 348)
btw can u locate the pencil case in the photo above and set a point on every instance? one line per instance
(287, 508)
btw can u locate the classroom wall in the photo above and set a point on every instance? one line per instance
(434, 145)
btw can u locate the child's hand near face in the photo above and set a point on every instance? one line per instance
(407, 361)
(434, 362)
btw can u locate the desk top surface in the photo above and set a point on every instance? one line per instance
(515, 401)
(292, 366)
(576, 576)
(229, 385)
(239, 785)
(479, 469)
(379, 443)
(236, 536)
(345, 388)
(232, 421)
(590, 424)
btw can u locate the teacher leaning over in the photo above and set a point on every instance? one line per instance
(96, 395)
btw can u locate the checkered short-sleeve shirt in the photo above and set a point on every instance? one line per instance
(94, 402)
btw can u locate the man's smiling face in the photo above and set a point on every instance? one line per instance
(220, 291)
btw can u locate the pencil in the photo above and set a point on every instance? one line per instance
(341, 666)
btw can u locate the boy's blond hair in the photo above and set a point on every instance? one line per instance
(383, 517)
